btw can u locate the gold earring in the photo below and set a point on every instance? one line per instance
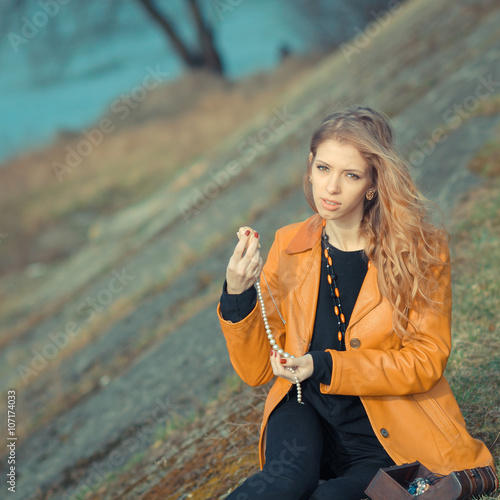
(370, 194)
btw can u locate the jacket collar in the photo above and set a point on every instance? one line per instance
(308, 234)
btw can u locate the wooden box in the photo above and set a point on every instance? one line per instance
(392, 483)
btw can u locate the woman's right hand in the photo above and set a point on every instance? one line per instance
(244, 268)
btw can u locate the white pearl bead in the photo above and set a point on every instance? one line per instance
(286, 355)
(272, 342)
(281, 351)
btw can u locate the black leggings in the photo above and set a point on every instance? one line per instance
(295, 439)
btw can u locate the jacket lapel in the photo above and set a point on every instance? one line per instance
(307, 243)
(369, 296)
(306, 292)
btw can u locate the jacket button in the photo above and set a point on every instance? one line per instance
(355, 343)
(384, 433)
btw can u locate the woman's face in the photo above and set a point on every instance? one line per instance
(340, 178)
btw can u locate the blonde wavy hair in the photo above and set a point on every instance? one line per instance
(400, 238)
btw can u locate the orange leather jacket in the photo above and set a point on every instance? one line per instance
(400, 381)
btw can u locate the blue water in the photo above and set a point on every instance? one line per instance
(41, 94)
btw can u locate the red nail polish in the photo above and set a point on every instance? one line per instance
(247, 232)
(283, 361)
(256, 235)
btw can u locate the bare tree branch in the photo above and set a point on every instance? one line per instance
(164, 22)
(205, 35)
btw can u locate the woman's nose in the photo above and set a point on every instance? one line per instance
(333, 185)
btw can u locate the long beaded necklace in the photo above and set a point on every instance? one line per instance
(334, 290)
(270, 337)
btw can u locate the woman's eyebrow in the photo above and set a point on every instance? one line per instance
(321, 161)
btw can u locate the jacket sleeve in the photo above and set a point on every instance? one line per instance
(235, 307)
(247, 342)
(414, 367)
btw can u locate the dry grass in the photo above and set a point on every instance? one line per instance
(474, 366)
(196, 458)
(487, 162)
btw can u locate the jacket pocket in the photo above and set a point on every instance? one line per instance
(438, 416)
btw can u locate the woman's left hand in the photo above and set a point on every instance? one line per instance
(282, 367)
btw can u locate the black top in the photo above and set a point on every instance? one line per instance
(346, 414)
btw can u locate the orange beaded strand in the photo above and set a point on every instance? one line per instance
(334, 291)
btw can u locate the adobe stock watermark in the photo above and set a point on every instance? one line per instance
(120, 108)
(98, 472)
(248, 149)
(273, 469)
(363, 38)
(88, 309)
(453, 117)
(48, 9)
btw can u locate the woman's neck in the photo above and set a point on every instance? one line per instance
(347, 239)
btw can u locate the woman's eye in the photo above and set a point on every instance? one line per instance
(322, 167)
(353, 176)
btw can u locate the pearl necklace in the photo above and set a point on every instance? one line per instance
(272, 341)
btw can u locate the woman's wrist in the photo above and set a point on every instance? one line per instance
(233, 291)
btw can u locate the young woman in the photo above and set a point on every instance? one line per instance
(357, 301)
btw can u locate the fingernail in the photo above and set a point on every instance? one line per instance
(272, 352)
(247, 232)
(256, 235)
(283, 361)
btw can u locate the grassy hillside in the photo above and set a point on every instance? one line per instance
(112, 270)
